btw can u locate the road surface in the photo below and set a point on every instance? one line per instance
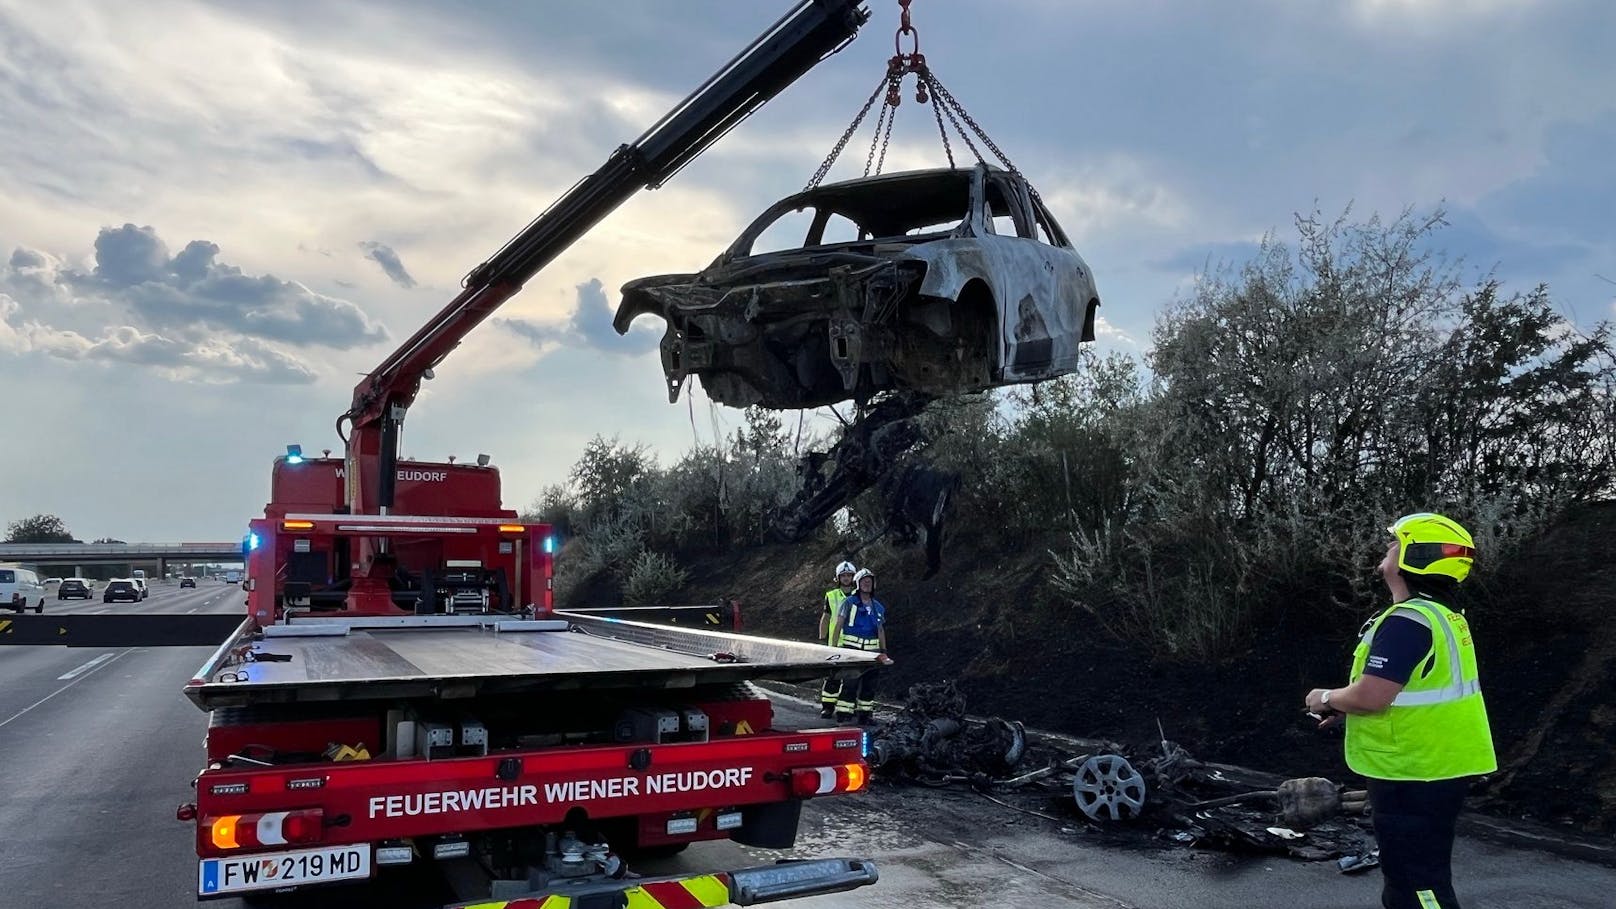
(98, 746)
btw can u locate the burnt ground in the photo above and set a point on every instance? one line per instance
(1545, 627)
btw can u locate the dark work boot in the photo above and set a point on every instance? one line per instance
(844, 718)
(865, 718)
(826, 711)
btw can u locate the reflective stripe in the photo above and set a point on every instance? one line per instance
(1437, 695)
(1412, 614)
(711, 889)
(1427, 899)
(1455, 662)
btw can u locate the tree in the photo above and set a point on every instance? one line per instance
(109, 540)
(605, 476)
(41, 528)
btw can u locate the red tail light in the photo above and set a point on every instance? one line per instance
(278, 828)
(807, 782)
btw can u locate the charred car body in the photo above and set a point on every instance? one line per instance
(935, 282)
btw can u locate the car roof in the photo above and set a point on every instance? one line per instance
(922, 195)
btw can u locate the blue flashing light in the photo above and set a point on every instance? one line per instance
(252, 541)
(294, 454)
(866, 747)
(294, 459)
(549, 544)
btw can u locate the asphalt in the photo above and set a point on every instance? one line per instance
(98, 746)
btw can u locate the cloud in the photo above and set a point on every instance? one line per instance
(208, 360)
(1572, 193)
(388, 259)
(186, 316)
(590, 325)
(192, 291)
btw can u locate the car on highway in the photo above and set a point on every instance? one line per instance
(140, 585)
(934, 282)
(52, 582)
(120, 589)
(187, 582)
(20, 587)
(73, 589)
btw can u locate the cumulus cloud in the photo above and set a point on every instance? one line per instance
(590, 325)
(187, 315)
(191, 288)
(210, 360)
(388, 259)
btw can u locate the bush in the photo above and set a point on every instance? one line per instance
(652, 579)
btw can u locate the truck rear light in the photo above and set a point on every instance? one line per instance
(451, 849)
(297, 525)
(729, 820)
(394, 855)
(228, 789)
(277, 828)
(681, 826)
(807, 782)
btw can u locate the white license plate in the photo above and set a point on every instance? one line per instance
(266, 871)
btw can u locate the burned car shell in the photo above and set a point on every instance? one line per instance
(973, 305)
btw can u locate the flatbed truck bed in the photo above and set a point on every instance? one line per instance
(341, 658)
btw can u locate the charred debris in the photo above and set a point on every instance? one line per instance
(1156, 792)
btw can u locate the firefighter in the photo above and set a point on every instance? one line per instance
(1416, 723)
(830, 632)
(863, 621)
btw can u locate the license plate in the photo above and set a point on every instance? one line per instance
(266, 871)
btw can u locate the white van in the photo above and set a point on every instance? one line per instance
(20, 587)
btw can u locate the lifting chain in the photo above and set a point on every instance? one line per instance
(927, 90)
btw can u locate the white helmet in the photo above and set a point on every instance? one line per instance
(845, 568)
(862, 574)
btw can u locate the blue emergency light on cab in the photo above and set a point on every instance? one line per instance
(294, 454)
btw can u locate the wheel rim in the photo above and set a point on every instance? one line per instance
(1107, 787)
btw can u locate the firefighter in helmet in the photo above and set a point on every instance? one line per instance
(863, 621)
(1416, 723)
(830, 632)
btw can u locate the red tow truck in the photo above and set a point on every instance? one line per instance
(403, 690)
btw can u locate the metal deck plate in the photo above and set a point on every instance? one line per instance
(357, 659)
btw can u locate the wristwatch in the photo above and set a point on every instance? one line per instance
(1325, 697)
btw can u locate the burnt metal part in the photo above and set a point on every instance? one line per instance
(1159, 792)
(933, 741)
(872, 453)
(867, 451)
(935, 282)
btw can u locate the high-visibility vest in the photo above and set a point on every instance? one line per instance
(1436, 728)
(833, 603)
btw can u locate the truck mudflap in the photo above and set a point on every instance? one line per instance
(744, 887)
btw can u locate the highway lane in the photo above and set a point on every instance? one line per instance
(92, 774)
(30, 673)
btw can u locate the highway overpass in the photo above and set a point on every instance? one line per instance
(74, 555)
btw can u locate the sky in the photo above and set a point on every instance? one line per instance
(215, 218)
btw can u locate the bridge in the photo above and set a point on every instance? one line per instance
(79, 554)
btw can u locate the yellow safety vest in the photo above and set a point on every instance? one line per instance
(834, 598)
(1437, 728)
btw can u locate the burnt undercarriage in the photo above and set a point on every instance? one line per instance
(820, 330)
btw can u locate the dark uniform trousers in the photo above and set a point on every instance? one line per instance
(1414, 824)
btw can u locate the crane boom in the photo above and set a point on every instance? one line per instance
(808, 33)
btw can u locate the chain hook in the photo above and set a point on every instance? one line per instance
(906, 27)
